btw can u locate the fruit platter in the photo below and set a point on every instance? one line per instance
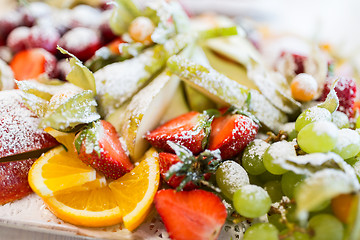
(128, 120)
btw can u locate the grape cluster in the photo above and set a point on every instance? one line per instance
(271, 189)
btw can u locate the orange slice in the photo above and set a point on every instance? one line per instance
(135, 191)
(59, 178)
(58, 170)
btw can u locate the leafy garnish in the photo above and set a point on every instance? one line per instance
(218, 32)
(331, 102)
(77, 110)
(193, 168)
(79, 75)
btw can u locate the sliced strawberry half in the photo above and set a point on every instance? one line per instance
(31, 63)
(195, 214)
(99, 146)
(231, 134)
(186, 130)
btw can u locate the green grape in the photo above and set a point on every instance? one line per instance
(263, 231)
(275, 151)
(255, 180)
(251, 201)
(275, 219)
(310, 115)
(348, 143)
(291, 214)
(289, 129)
(252, 159)
(326, 227)
(230, 176)
(273, 188)
(289, 181)
(294, 235)
(358, 122)
(340, 119)
(266, 177)
(320, 136)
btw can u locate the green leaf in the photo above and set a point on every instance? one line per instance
(79, 75)
(36, 104)
(77, 110)
(320, 187)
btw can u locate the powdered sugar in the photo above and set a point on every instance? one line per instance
(306, 82)
(325, 127)
(78, 38)
(234, 176)
(19, 127)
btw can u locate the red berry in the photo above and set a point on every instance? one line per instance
(181, 130)
(44, 37)
(106, 33)
(18, 39)
(9, 22)
(195, 214)
(100, 147)
(14, 180)
(231, 134)
(297, 59)
(166, 160)
(82, 42)
(31, 63)
(346, 91)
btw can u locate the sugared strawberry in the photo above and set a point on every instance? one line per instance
(106, 33)
(99, 146)
(345, 89)
(195, 214)
(44, 37)
(231, 134)
(166, 160)
(18, 39)
(14, 180)
(82, 42)
(31, 63)
(186, 130)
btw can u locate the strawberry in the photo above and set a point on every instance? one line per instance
(166, 160)
(188, 130)
(14, 180)
(345, 89)
(195, 214)
(99, 146)
(31, 63)
(231, 134)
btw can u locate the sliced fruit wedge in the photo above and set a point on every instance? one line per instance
(58, 170)
(75, 193)
(135, 191)
(225, 91)
(145, 111)
(118, 82)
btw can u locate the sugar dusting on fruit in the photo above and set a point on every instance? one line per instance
(19, 126)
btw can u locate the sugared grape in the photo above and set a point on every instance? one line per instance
(251, 201)
(340, 119)
(275, 219)
(289, 181)
(273, 188)
(230, 176)
(252, 159)
(263, 231)
(319, 136)
(266, 177)
(326, 227)
(275, 151)
(310, 115)
(348, 143)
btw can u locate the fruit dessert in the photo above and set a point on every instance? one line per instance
(142, 113)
